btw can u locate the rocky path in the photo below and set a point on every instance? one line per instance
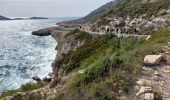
(165, 73)
(120, 35)
(157, 77)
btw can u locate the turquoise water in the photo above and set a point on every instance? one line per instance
(23, 55)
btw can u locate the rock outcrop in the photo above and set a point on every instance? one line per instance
(42, 32)
(66, 43)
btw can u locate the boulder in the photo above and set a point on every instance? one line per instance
(47, 79)
(153, 59)
(144, 90)
(36, 78)
(147, 27)
(42, 32)
(148, 96)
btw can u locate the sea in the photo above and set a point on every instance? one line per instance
(23, 55)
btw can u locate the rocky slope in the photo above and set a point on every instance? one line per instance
(133, 17)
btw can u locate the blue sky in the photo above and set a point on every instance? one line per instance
(49, 8)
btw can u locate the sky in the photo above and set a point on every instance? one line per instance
(49, 8)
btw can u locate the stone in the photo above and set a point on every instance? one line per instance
(147, 69)
(81, 71)
(153, 59)
(149, 37)
(156, 73)
(144, 90)
(148, 96)
(142, 82)
(36, 78)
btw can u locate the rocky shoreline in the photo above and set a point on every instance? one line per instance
(64, 44)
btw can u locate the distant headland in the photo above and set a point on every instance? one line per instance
(6, 18)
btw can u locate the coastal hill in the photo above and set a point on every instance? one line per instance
(122, 54)
(38, 18)
(96, 13)
(4, 18)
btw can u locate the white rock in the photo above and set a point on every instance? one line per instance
(148, 96)
(81, 71)
(147, 69)
(144, 90)
(153, 59)
(148, 37)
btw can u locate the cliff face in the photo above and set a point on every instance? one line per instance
(66, 43)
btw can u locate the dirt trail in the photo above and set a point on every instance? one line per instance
(159, 75)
